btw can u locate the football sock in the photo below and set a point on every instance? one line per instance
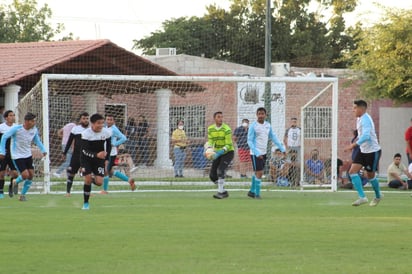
(375, 185)
(257, 187)
(221, 185)
(121, 176)
(69, 187)
(357, 183)
(1, 185)
(69, 183)
(86, 192)
(26, 187)
(253, 185)
(19, 179)
(106, 183)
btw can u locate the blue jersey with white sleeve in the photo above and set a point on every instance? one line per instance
(21, 140)
(118, 138)
(367, 140)
(258, 137)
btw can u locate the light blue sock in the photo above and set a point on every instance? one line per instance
(357, 183)
(106, 183)
(253, 185)
(121, 176)
(258, 182)
(375, 185)
(26, 187)
(19, 179)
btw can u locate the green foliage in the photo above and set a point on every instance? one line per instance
(21, 21)
(384, 56)
(299, 36)
(184, 232)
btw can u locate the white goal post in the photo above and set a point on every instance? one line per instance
(160, 101)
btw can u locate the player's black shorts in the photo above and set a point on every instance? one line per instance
(23, 163)
(368, 160)
(258, 164)
(93, 166)
(7, 162)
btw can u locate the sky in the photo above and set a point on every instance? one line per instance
(121, 21)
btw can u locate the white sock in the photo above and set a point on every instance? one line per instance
(221, 185)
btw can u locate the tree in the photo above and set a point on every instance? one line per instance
(21, 21)
(299, 36)
(384, 57)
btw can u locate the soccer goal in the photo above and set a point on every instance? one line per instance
(147, 109)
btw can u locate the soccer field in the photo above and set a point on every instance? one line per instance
(190, 232)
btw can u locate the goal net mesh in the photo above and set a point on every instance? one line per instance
(146, 109)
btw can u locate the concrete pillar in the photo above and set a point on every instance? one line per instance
(163, 137)
(11, 97)
(91, 103)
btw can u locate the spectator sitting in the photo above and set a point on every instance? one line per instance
(278, 172)
(328, 170)
(293, 167)
(314, 168)
(395, 171)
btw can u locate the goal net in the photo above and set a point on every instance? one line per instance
(147, 109)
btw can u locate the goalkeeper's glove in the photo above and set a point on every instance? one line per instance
(218, 154)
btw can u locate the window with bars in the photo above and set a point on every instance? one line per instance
(318, 122)
(193, 117)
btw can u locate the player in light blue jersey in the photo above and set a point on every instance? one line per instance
(22, 137)
(117, 139)
(258, 136)
(369, 155)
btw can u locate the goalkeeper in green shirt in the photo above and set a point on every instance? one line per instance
(219, 136)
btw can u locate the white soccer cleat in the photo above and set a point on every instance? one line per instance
(360, 201)
(376, 201)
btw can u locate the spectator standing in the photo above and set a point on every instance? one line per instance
(142, 134)
(395, 171)
(292, 137)
(179, 143)
(240, 138)
(408, 139)
(64, 133)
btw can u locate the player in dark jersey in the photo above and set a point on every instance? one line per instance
(95, 151)
(76, 136)
(10, 118)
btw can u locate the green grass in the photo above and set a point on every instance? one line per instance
(186, 232)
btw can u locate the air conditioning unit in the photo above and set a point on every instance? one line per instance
(280, 69)
(165, 51)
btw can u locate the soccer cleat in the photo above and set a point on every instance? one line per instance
(132, 184)
(360, 201)
(15, 187)
(376, 201)
(251, 194)
(22, 198)
(85, 206)
(57, 175)
(221, 195)
(1, 196)
(68, 195)
(133, 169)
(104, 192)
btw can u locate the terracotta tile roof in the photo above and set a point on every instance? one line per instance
(26, 61)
